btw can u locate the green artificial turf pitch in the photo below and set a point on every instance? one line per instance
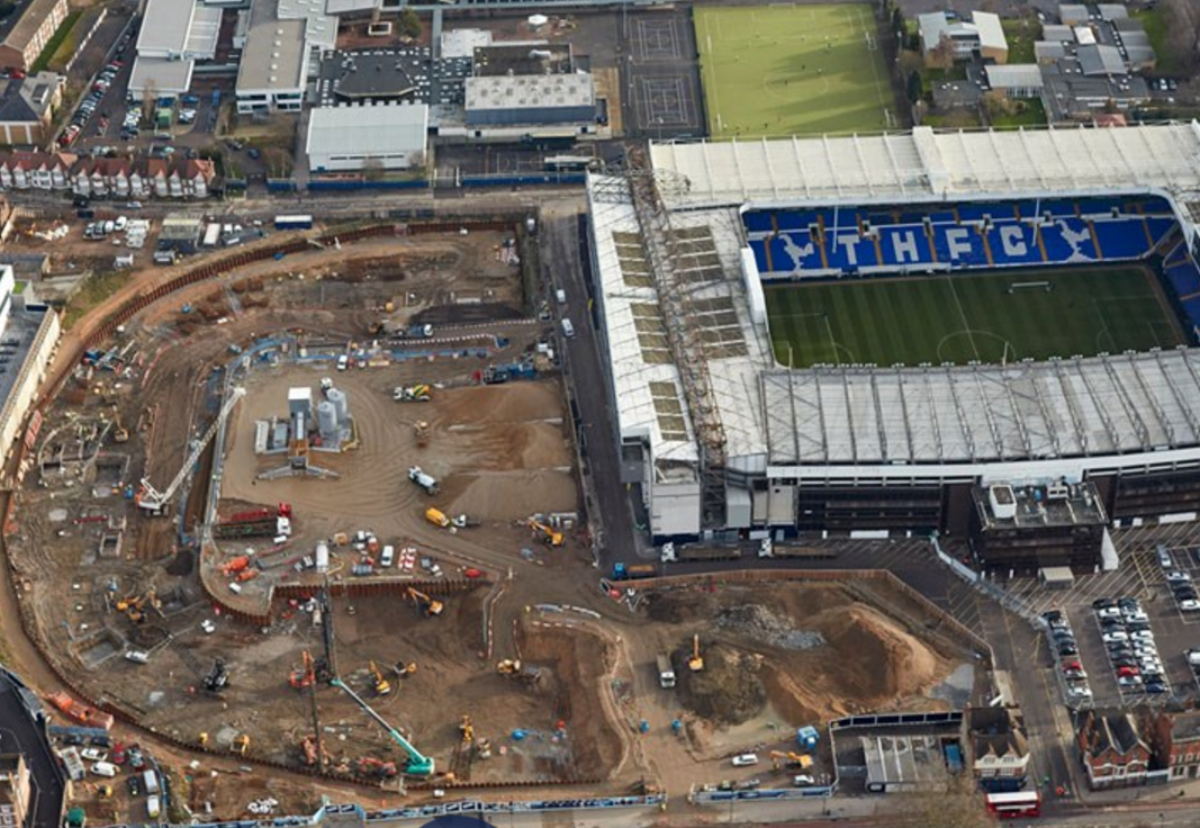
(792, 70)
(965, 317)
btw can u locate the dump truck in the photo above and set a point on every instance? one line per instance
(427, 482)
(666, 674)
(436, 517)
(412, 393)
(622, 572)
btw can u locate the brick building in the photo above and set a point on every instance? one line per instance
(1112, 749)
(24, 36)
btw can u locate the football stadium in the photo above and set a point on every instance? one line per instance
(903, 333)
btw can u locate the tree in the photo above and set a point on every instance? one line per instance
(959, 805)
(409, 23)
(942, 55)
(372, 169)
(914, 87)
(1182, 23)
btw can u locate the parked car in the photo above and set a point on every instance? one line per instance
(134, 784)
(1189, 605)
(1129, 682)
(744, 759)
(1103, 603)
(1109, 612)
(1156, 687)
(1115, 636)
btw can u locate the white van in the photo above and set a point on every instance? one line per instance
(235, 588)
(568, 329)
(343, 362)
(152, 807)
(388, 557)
(137, 656)
(150, 778)
(560, 296)
(104, 769)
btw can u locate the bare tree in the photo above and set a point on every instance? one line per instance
(942, 55)
(1182, 19)
(959, 805)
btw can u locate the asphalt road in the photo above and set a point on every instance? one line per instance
(19, 735)
(560, 245)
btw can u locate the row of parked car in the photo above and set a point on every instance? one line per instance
(1179, 582)
(1066, 650)
(1125, 631)
(87, 107)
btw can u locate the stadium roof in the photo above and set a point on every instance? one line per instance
(1106, 405)
(929, 165)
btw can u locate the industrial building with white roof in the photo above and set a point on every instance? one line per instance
(855, 448)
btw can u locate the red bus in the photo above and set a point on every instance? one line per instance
(1013, 805)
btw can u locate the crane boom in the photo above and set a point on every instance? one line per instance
(153, 500)
(418, 764)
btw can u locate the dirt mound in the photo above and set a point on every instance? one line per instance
(729, 690)
(876, 659)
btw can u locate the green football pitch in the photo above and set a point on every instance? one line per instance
(792, 70)
(991, 317)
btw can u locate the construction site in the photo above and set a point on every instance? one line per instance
(317, 510)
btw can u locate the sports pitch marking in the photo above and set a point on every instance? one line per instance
(658, 40)
(666, 102)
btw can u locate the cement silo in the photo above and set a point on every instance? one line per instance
(327, 420)
(340, 404)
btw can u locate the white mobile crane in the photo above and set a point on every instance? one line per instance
(154, 501)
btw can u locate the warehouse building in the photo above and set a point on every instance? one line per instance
(387, 136)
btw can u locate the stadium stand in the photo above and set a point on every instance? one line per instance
(797, 244)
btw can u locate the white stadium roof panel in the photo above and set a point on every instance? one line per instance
(928, 165)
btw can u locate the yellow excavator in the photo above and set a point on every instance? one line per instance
(466, 730)
(696, 662)
(547, 535)
(432, 606)
(241, 744)
(382, 686)
(120, 433)
(793, 760)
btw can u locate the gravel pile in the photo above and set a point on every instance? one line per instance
(758, 622)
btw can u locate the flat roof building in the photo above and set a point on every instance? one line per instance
(274, 68)
(15, 790)
(356, 138)
(902, 763)
(530, 99)
(982, 33)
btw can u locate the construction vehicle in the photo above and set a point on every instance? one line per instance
(466, 730)
(547, 535)
(369, 766)
(421, 432)
(432, 606)
(236, 565)
(306, 675)
(417, 475)
(514, 668)
(417, 764)
(412, 393)
(382, 686)
(120, 433)
(623, 572)
(404, 669)
(696, 662)
(241, 744)
(437, 518)
(88, 717)
(217, 678)
(155, 502)
(666, 673)
(104, 792)
(134, 605)
(792, 760)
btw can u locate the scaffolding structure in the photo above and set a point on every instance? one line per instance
(684, 339)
